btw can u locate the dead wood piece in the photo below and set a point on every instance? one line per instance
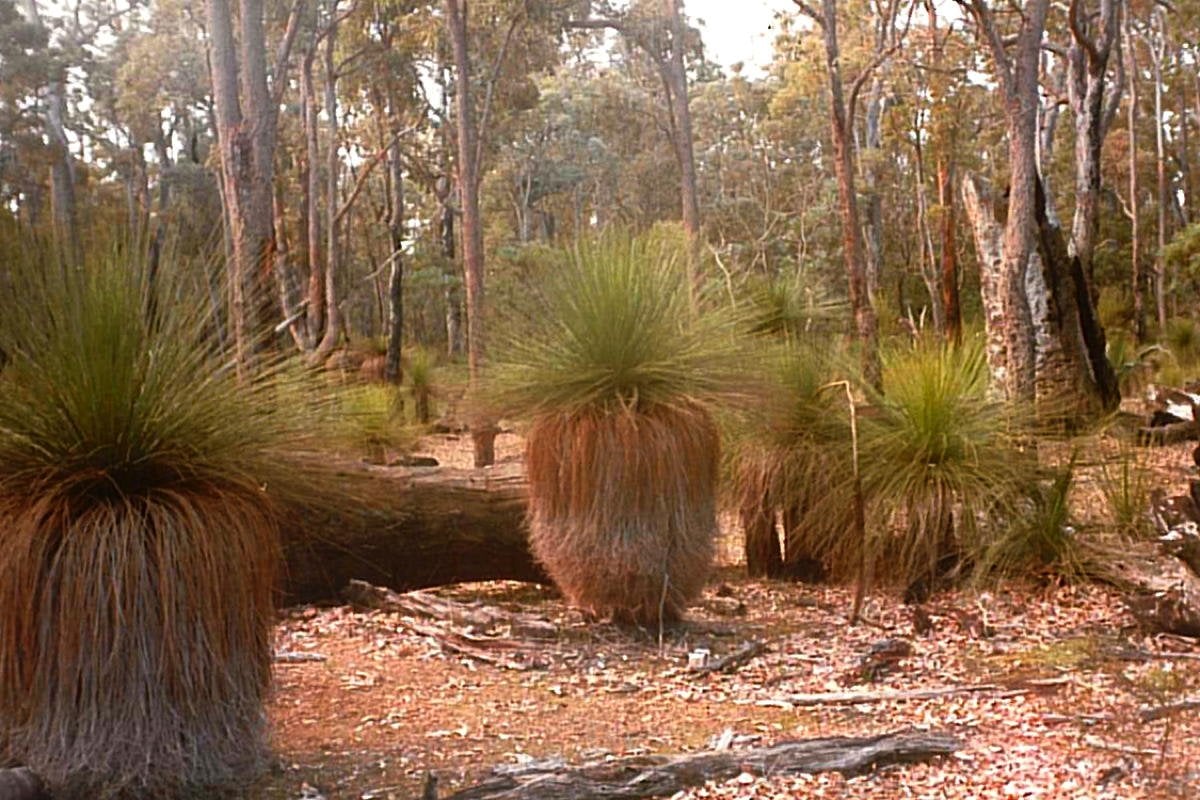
(860, 698)
(409, 529)
(637, 777)
(21, 784)
(732, 661)
(1158, 712)
(1161, 591)
(298, 657)
(1168, 433)
(424, 604)
(499, 652)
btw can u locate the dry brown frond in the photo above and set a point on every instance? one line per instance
(622, 507)
(135, 637)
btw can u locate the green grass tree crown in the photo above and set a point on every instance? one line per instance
(618, 327)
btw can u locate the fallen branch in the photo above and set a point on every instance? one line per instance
(637, 777)
(860, 698)
(1158, 712)
(733, 660)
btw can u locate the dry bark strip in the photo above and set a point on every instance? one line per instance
(638, 777)
(21, 784)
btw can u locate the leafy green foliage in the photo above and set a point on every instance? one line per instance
(940, 459)
(618, 328)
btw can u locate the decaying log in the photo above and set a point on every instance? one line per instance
(636, 777)
(410, 529)
(21, 784)
(493, 636)
(1161, 592)
(1172, 417)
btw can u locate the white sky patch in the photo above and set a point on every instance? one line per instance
(739, 30)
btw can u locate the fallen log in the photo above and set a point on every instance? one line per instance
(1161, 592)
(476, 615)
(409, 529)
(637, 777)
(863, 698)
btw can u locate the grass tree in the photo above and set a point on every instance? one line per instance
(617, 371)
(139, 482)
(942, 464)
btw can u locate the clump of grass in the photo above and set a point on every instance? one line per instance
(1182, 338)
(941, 461)
(617, 370)
(791, 466)
(419, 382)
(140, 482)
(1125, 483)
(371, 420)
(1042, 538)
(793, 308)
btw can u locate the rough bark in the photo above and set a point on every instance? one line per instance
(1017, 75)
(977, 204)
(412, 528)
(675, 75)
(637, 777)
(246, 116)
(764, 556)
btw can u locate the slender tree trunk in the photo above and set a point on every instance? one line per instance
(311, 181)
(1135, 214)
(930, 272)
(873, 144)
(949, 266)
(483, 432)
(392, 371)
(1092, 43)
(676, 76)
(861, 306)
(333, 164)
(1157, 53)
(62, 164)
(246, 125)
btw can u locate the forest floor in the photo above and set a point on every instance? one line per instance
(1055, 686)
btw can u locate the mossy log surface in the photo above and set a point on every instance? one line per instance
(410, 528)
